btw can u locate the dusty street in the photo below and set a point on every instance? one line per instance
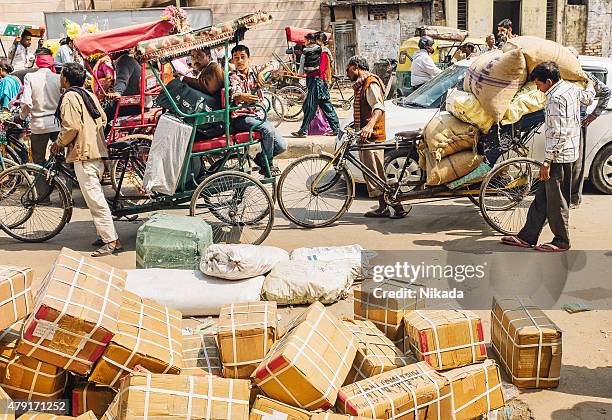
(444, 227)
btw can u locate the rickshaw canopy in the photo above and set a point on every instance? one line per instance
(298, 35)
(121, 39)
(178, 45)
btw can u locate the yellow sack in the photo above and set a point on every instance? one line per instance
(446, 135)
(527, 100)
(465, 106)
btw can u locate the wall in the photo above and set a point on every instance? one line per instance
(377, 38)
(12, 11)
(480, 16)
(575, 26)
(599, 28)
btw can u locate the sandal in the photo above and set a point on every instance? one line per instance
(550, 247)
(401, 212)
(298, 135)
(98, 243)
(331, 134)
(107, 249)
(379, 213)
(515, 241)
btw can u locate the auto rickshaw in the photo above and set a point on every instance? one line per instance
(442, 56)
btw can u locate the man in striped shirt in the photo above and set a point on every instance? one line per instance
(562, 149)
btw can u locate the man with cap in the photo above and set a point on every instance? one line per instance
(423, 67)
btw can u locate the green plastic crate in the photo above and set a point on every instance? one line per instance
(169, 241)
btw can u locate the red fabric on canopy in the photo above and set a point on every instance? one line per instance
(297, 34)
(121, 38)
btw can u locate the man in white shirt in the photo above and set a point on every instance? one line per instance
(41, 93)
(65, 53)
(562, 149)
(20, 55)
(423, 67)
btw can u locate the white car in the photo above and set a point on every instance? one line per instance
(413, 112)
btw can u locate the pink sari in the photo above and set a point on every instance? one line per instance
(319, 125)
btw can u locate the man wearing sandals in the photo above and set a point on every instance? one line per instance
(562, 149)
(369, 117)
(82, 122)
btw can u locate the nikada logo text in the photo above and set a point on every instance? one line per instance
(416, 272)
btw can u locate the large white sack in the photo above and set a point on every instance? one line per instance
(304, 282)
(240, 261)
(354, 254)
(190, 291)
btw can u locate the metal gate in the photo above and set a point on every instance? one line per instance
(345, 42)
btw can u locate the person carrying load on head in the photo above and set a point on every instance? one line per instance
(423, 67)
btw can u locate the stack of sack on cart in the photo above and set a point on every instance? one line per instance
(495, 91)
(113, 354)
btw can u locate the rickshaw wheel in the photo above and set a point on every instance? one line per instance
(132, 181)
(507, 193)
(237, 207)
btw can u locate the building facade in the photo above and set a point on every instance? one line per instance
(374, 28)
(583, 24)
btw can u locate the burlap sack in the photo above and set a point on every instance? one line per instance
(446, 135)
(494, 78)
(451, 167)
(537, 50)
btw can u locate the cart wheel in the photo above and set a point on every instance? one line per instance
(346, 104)
(31, 217)
(275, 109)
(236, 206)
(330, 200)
(293, 97)
(132, 181)
(507, 192)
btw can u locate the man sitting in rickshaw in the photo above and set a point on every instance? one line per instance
(210, 78)
(245, 85)
(127, 83)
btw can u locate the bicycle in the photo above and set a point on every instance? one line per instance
(343, 102)
(316, 190)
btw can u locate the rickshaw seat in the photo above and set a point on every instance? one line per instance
(203, 145)
(150, 117)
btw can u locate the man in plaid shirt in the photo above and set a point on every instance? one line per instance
(245, 86)
(552, 197)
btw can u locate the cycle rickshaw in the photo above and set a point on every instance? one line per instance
(316, 190)
(238, 206)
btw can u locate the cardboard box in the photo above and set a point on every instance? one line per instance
(266, 408)
(375, 352)
(527, 342)
(7, 411)
(476, 390)
(201, 355)
(307, 367)
(32, 415)
(183, 396)
(89, 396)
(333, 416)
(396, 394)
(385, 304)
(446, 339)
(246, 333)
(113, 410)
(15, 294)
(26, 378)
(148, 334)
(75, 315)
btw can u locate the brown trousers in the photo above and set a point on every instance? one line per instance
(375, 161)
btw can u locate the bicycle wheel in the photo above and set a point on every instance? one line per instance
(293, 98)
(507, 192)
(132, 188)
(30, 216)
(330, 199)
(236, 206)
(8, 183)
(275, 109)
